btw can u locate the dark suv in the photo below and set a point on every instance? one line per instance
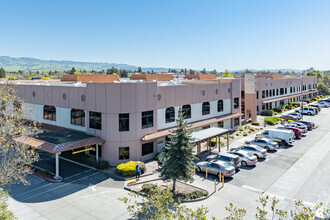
(226, 157)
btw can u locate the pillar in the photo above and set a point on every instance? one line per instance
(228, 141)
(97, 153)
(209, 146)
(57, 166)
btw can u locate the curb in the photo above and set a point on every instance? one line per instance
(46, 179)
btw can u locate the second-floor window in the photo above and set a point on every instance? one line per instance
(220, 106)
(257, 94)
(147, 119)
(206, 108)
(124, 122)
(236, 103)
(95, 120)
(169, 115)
(263, 94)
(78, 117)
(50, 113)
(186, 109)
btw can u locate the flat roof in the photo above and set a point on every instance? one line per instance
(208, 133)
(59, 141)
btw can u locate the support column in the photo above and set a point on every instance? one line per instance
(57, 166)
(219, 144)
(97, 153)
(199, 150)
(228, 141)
(209, 146)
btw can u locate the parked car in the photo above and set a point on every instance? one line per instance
(308, 124)
(252, 149)
(324, 104)
(216, 167)
(286, 136)
(300, 126)
(289, 117)
(296, 114)
(306, 111)
(297, 132)
(265, 143)
(229, 158)
(317, 105)
(246, 158)
(317, 109)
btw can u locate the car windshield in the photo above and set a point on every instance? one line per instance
(226, 165)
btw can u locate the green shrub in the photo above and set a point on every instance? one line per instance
(255, 123)
(278, 110)
(44, 173)
(195, 194)
(266, 113)
(249, 132)
(252, 129)
(128, 169)
(232, 136)
(224, 136)
(271, 120)
(240, 128)
(91, 161)
(222, 143)
(237, 134)
(245, 134)
(146, 188)
(246, 127)
(275, 113)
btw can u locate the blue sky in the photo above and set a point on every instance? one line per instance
(215, 34)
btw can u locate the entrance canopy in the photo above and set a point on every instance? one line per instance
(60, 141)
(207, 134)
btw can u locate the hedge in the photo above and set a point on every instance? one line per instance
(255, 123)
(278, 110)
(195, 194)
(271, 120)
(266, 113)
(128, 169)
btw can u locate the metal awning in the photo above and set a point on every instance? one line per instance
(287, 97)
(60, 141)
(207, 134)
(206, 122)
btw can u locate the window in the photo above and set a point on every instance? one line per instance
(95, 120)
(123, 153)
(147, 119)
(270, 93)
(257, 94)
(124, 122)
(206, 108)
(78, 117)
(286, 91)
(236, 121)
(50, 112)
(273, 92)
(276, 91)
(257, 108)
(186, 109)
(242, 94)
(236, 103)
(263, 94)
(220, 124)
(291, 90)
(263, 107)
(169, 115)
(220, 106)
(147, 148)
(281, 91)
(206, 127)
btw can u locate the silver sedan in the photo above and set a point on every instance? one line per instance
(265, 143)
(253, 149)
(247, 159)
(215, 167)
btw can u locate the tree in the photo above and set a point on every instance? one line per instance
(316, 73)
(16, 158)
(112, 71)
(178, 160)
(323, 88)
(72, 71)
(2, 73)
(139, 69)
(204, 71)
(191, 71)
(159, 204)
(227, 74)
(214, 72)
(123, 73)
(5, 213)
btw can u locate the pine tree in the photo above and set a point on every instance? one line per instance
(2, 73)
(72, 71)
(178, 160)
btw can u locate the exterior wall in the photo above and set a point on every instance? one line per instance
(111, 99)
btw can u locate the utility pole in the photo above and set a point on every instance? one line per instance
(302, 98)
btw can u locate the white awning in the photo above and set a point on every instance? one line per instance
(209, 133)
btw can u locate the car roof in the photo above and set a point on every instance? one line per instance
(227, 155)
(218, 162)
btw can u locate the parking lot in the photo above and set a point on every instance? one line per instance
(298, 172)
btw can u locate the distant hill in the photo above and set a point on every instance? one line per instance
(33, 64)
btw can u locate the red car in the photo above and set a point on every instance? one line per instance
(296, 131)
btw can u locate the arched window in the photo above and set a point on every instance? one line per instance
(186, 109)
(206, 108)
(78, 117)
(220, 106)
(169, 115)
(50, 112)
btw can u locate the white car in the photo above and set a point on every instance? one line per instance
(324, 104)
(306, 111)
(287, 136)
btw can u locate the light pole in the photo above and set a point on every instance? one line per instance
(302, 98)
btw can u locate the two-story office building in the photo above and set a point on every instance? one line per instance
(131, 116)
(261, 92)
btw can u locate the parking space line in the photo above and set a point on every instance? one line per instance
(60, 186)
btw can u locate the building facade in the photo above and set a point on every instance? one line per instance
(133, 117)
(263, 92)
